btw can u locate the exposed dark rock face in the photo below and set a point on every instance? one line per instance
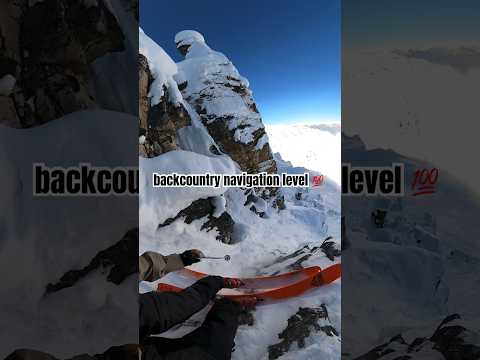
(255, 203)
(279, 202)
(48, 47)
(300, 326)
(203, 208)
(120, 260)
(330, 249)
(224, 224)
(158, 123)
(453, 341)
(248, 157)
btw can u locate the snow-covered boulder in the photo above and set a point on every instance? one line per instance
(212, 85)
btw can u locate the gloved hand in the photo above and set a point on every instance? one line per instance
(190, 257)
(232, 283)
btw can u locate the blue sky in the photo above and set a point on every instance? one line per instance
(289, 50)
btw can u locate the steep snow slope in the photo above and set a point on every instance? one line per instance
(314, 146)
(422, 266)
(41, 238)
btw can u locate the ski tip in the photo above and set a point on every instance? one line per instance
(328, 275)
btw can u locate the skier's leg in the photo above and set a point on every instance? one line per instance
(217, 333)
(158, 312)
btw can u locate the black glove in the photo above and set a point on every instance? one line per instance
(190, 257)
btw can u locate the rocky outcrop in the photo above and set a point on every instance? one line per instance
(158, 123)
(297, 259)
(205, 209)
(221, 96)
(47, 47)
(450, 339)
(119, 260)
(300, 326)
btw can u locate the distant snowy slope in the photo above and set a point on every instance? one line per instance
(399, 100)
(313, 146)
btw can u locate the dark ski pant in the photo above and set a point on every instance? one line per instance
(214, 339)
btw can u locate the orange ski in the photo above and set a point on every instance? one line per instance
(265, 288)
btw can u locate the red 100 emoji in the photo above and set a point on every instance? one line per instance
(424, 181)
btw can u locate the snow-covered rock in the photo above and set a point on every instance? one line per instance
(166, 121)
(61, 62)
(212, 85)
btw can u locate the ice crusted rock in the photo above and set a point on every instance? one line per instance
(212, 85)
